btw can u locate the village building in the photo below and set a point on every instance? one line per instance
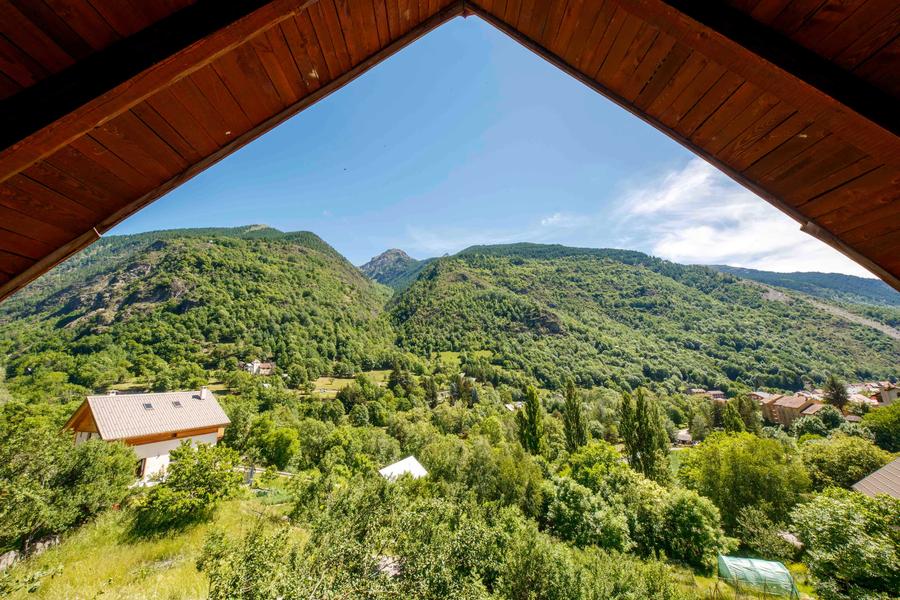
(716, 394)
(787, 409)
(767, 406)
(152, 424)
(683, 438)
(758, 397)
(812, 409)
(257, 367)
(885, 480)
(696, 391)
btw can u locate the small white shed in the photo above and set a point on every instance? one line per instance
(408, 466)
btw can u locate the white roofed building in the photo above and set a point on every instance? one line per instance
(408, 466)
(153, 424)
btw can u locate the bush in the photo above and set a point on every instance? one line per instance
(852, 544)
(841, 460)
(739, 470)
(47, 486)
(884, 422)
(196, 480)
(577, 515)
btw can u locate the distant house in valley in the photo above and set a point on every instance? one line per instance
(885, 480)
(408, 466)
(259, 368)
(696, 391)
(812, 409)
(153, 424)
(787, 409)
(716, 394)
(758, 397)
(513, 406)
(767, 406)
(683, 438)
(858, 398)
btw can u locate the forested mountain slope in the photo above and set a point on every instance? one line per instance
(619, 318)
(830, 286)
(168, 307)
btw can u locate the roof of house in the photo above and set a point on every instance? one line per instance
(123, 416)
(885, 480)
(407, 466)
(771, 399)
(813, 408)
(853, 418)
(684, 435)
(792, 401)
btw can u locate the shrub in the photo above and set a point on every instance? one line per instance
(852, 544)
(841, 460)
(196, 480)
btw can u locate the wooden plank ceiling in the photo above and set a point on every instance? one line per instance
(109, 104)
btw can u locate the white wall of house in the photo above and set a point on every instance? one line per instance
(157, 453)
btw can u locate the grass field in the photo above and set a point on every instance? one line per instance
(102, 560)
(330, 386)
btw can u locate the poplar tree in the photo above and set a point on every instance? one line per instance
(573, 420)
(530, 422)
(731, 419)
(644, 435)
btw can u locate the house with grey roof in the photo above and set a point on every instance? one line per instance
(152, 424)
(885, 480)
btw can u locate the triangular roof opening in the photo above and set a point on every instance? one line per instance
(104, 120)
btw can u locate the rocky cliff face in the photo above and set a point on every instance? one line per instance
(388, 266)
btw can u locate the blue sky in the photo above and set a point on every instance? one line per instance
(467, 138)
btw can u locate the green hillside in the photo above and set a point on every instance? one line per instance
(169, 307)
(620, 318)
(830, 286)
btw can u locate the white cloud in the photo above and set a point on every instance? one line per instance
(560, 220)
(698, 215)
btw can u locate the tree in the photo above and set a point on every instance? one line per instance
(644, 434)
(750, 413)
(735, 470)
(884, 422)
(196, 479)
(836, 392)
(47, 486)
(831, 417)
(808, 425)
(577, 515)
(573, 420)
(841, 460)
(852, 544)
(731, 418)
(692, 531)
(530, 422)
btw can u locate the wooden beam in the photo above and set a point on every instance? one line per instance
(848, 106)
(806, 225)
(813, 70)
(46, 263)
(43, 118)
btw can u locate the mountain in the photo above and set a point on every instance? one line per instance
(389, 266)
(170, 307)
(620, 318)
(830, 286)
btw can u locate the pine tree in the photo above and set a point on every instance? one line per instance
(573, 420)
(646, 441)
(836, 392)
(530, 422)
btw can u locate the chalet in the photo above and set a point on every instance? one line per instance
(153, 424)
(696, 391)
(787, 409)
(716, 395)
